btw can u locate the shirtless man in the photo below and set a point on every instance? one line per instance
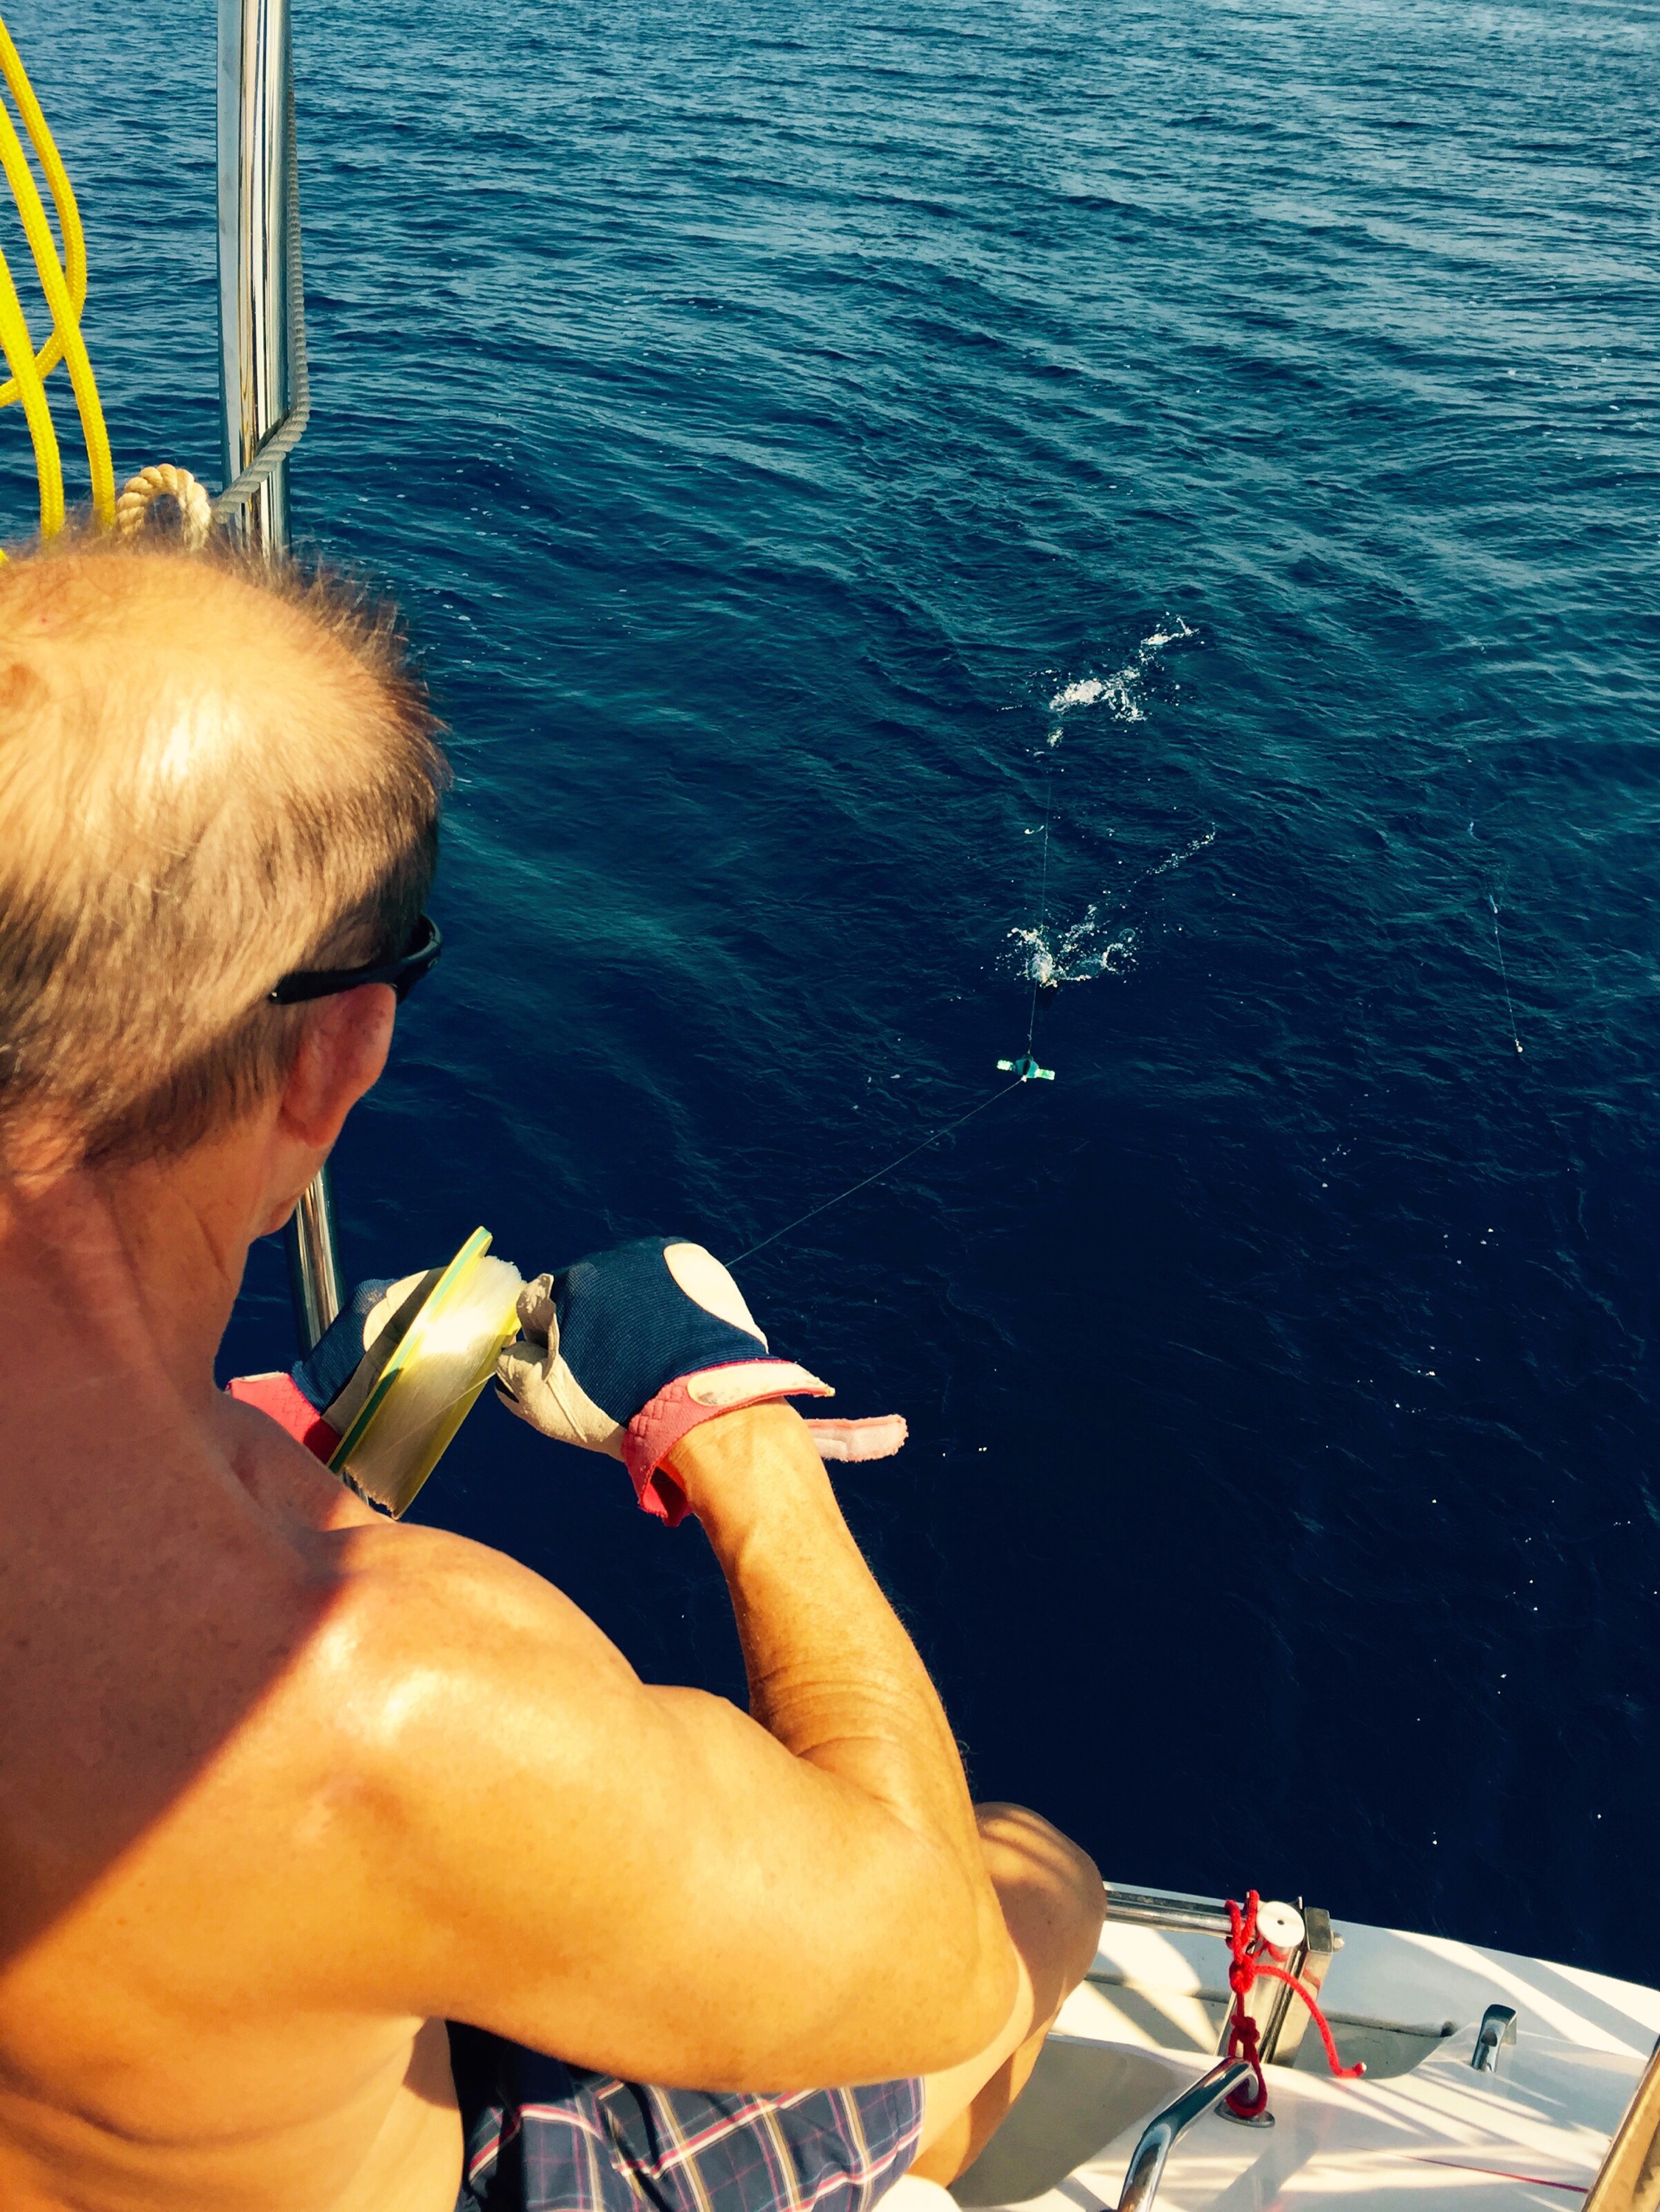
(286, 1787)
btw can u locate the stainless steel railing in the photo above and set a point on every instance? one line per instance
(1166, 1908)
(261, 376)
(1147, 2162)
(255, 79)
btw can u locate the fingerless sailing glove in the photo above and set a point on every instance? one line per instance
(629, 1350)
(311, 1402)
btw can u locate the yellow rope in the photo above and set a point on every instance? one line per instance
(64, 282)
(66, 331)
(20, 353)
(63, 195)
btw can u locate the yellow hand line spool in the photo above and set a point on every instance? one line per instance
(429, 1385)
(64, 283)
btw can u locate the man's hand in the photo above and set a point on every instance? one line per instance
(321, 1395)
(629, 1350)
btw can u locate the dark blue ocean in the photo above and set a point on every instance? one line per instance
(778, 421)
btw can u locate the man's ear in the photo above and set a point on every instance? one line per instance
(343, 1050)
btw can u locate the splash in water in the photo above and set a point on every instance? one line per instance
(1079, 954)
(1121, 690)
(1099, 944)
(1175, 859)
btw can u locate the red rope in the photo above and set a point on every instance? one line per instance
(1253, 1958)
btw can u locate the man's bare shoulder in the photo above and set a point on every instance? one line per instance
(397, 1582)
(425, 1653)
(486, 1749)
(488, 1816)
(418, 1601)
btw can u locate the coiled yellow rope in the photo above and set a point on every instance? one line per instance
(64, 283)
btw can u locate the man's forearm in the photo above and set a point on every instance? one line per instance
(833, 1675)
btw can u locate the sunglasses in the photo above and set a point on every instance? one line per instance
(403, 973)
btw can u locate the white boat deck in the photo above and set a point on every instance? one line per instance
(1424, 2128)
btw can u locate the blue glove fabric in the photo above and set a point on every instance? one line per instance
(333, 1359)
(629, 1349)
(627, 1327)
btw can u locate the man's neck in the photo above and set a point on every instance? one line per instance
(131, 1271)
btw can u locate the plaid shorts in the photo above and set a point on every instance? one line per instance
(543, 2136)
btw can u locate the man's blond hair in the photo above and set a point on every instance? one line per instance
(210, 774)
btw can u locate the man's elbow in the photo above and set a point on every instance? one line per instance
(994, 1985)
(963, 1979)
(1014, 1942)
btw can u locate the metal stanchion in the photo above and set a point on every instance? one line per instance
(255, 361)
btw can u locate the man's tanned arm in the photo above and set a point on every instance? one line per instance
(645, 1880)
(833, 1676)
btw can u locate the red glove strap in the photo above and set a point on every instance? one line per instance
(685, 1404)
(281, 1397)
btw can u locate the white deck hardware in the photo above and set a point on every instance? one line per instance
(1424, 2132)
(1497, 2028)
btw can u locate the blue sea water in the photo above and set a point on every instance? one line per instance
(778, 421)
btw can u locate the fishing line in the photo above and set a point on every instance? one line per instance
(1040, 967)
(1498, 947)
(1038, 947)
(801, 1220)
(1023, 1070)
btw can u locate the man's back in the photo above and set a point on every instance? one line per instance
(182, 1831)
